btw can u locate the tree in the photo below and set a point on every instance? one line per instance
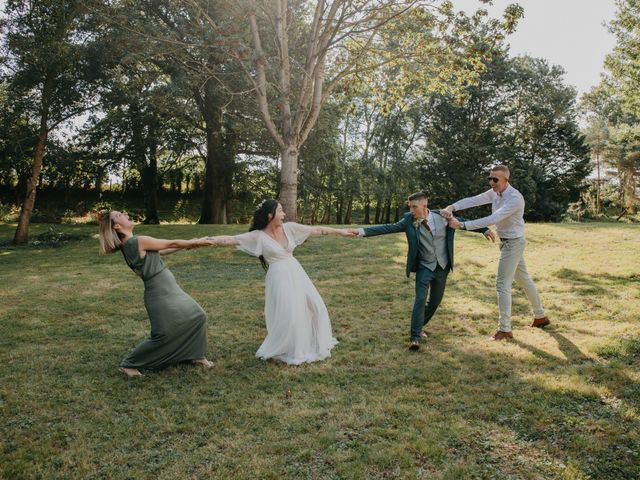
(52, 60)
(187, 40)
(613, 107)
(520, 114)
(622, 151)
(300, 51)
(622, 63)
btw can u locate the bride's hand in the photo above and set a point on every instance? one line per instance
(203, 242)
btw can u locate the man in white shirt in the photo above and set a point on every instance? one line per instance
(507, 209)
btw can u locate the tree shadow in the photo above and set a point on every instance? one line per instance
(595, 283)
(619, 384)
(573, 355)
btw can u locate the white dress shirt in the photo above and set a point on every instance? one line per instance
(507, 209)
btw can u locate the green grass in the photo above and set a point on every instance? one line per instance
(559, 403)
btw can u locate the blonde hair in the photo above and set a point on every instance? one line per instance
(502, 168)
(109, 240)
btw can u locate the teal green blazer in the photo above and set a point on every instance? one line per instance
(406, 225)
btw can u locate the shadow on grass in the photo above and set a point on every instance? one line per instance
(599, 283)
(619, 384)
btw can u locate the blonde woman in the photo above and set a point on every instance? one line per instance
(178, 323)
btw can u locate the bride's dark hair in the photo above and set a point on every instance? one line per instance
(261, 220)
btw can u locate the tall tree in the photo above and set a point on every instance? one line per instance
(189, 40)
(622, 62)
(298, 52)
(52, 60)
(520, 114)
(613, 107)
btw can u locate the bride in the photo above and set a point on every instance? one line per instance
(298, 325)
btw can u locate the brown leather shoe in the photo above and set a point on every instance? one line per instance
(414, 346)
(540, 322)
(501, 335)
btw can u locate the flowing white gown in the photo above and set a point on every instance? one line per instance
(298, 325)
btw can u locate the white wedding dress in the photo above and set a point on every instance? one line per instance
(298, 325)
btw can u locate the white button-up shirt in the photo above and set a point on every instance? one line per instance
(507, 210)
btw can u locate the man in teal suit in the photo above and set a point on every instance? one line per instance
(430, 255)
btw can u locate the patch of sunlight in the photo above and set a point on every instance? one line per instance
(512, 451)
(179, 206)
(6, 253)
(178, 221)
(622, 407)
(400, 241)
(563, 382)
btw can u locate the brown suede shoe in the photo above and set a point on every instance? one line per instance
(540, 322)
(414, 346)
(501, 335)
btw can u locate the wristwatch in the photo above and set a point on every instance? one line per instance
(463, 226)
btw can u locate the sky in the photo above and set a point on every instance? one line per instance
(569, 33)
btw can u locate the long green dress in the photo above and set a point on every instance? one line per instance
(178, 323)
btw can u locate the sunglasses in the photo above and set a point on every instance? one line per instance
(493, 179)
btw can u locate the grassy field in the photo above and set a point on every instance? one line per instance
(559, 403)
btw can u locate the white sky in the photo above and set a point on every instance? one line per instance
(569, 33)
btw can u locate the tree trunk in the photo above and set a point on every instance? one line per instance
(347, 216)
(367, 211)
(214, 205)
(339, 210)
(178, 180)
(124, 177)
(314, 212)
(387, 211)
(598, 186)
(327, 214)
(100, 176)
(21, 236)
(378, 211)
(289, 182)
(150, 190)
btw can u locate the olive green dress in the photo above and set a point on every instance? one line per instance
(178, 323)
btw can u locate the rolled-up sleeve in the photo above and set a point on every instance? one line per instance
(510, 206)
(475, 201)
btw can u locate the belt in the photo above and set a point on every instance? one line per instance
(507, 239)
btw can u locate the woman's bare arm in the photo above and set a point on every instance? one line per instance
(223, 241)
(168, 251)
(146, 243)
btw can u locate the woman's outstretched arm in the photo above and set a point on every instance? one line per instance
(223, 241)
(165, 247)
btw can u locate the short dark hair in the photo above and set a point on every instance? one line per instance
(418, 196)
(501, 168)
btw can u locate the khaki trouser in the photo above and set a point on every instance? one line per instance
(513, 267)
